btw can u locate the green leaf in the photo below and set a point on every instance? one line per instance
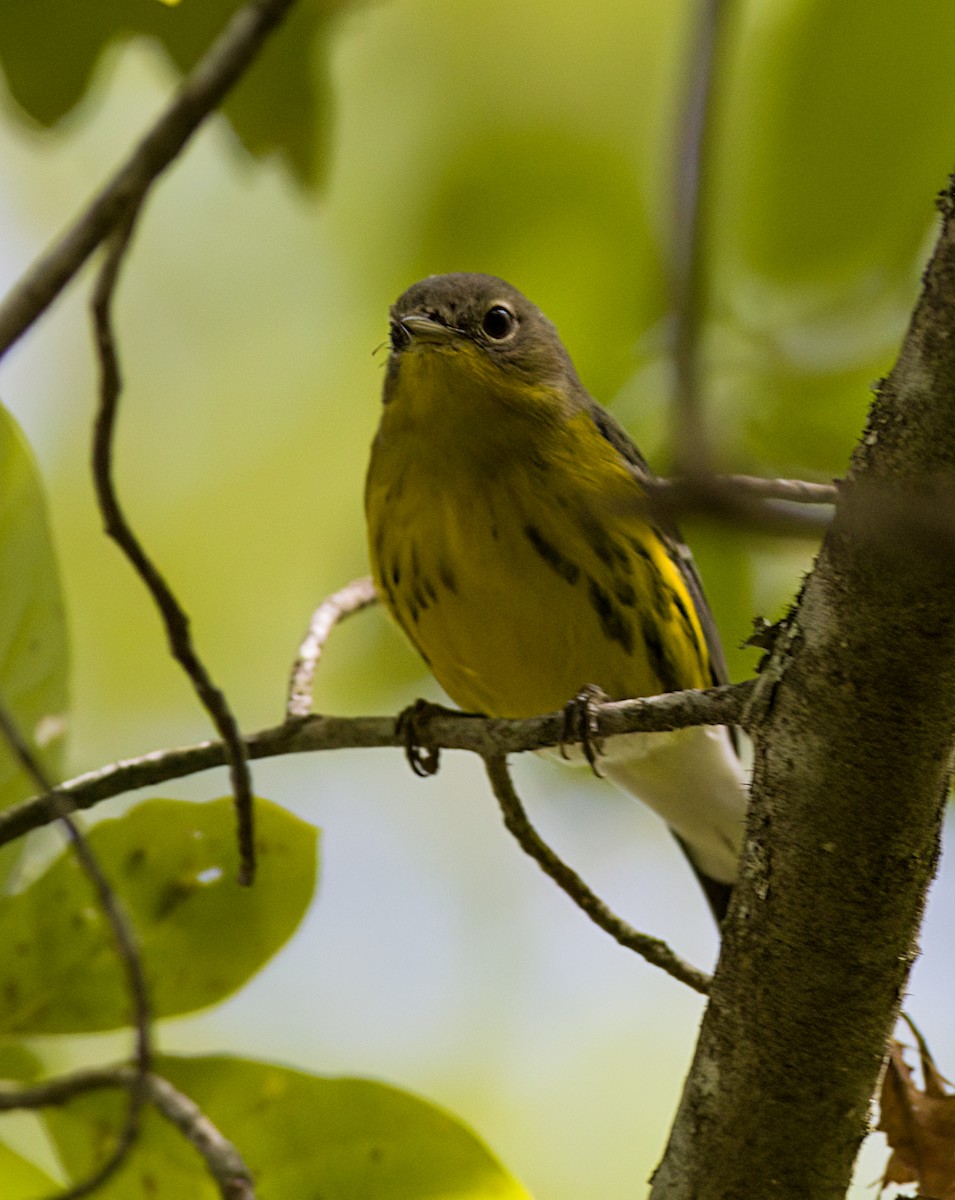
(301, 1136)
(202, 936)
(49, 50)
(33, 646)
(21, 1180)
(18, 1061)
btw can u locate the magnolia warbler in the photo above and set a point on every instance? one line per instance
(510, 537)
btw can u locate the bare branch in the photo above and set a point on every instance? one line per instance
(61, 1089)
(923, 516)
(444, 728)
(775, 506)
(126, 947)
(222, 1159)
(797, 491)
(352, 598)
(655, 951)
(174, 616)
(200, 92)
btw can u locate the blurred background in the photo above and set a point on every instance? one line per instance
(530, 142)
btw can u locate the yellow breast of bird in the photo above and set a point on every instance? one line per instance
(519, 563)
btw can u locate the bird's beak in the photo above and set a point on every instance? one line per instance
(426, 329)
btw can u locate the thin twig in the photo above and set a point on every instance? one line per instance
(893, 513)
(445, 729)
(222, 1159)
(173, 615)
(794, 491)
(199, 94)
(352, 598)
(689, 242)
(655, 951)
(126, 947)
(782, 507)
(62, 1088)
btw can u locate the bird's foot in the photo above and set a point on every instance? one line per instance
(423, 756)
(580, 725)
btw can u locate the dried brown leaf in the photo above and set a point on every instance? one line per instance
(919, 1126)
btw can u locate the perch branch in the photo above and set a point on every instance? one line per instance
(445, 729)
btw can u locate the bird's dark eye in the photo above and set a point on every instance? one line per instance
(399, 336)
(499, 323)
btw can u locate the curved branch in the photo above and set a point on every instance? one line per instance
(655, 951)
(352, 598)
(223, 1161)
(117, 526)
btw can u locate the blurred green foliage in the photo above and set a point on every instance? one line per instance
(534, 141)
(302, 1137)
(201, 934)
(50, 50)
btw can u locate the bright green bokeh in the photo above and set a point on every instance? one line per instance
(836, 121)
(33, 650)
(21, 1179)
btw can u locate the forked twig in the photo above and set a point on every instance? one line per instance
(222, 1159)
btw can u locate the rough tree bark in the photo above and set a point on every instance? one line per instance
(853, 721)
